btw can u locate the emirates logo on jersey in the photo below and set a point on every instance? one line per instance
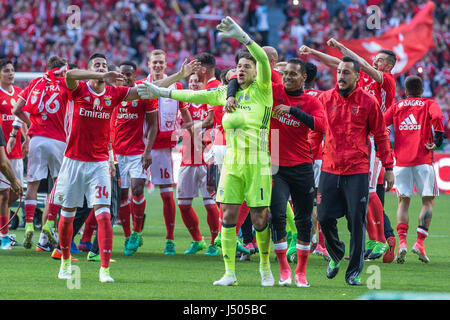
(409, 123)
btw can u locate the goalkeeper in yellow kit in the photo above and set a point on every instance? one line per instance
(246, 171)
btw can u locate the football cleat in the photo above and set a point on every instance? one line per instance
(104, 275)
(65, 271)
(226, 280)
(50, 233)
(169, 248)
(379, 249)
(420, 251)
(401, 255)
(300, 280)
(212, 250)
(195, 247)
(28, 240)
(321, 251)
(285, 279)
(267, 279)
(332, 269)
(389, 255)
(85, 246)
(44, 247)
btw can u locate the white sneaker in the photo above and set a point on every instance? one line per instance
(401, 255)
(285, 283)
(65, 271)
(267, 279)
(300, 281)
(104, 275)
(226, 281)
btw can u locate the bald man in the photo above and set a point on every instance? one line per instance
(272, 54)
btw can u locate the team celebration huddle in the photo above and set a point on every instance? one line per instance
(275, 159)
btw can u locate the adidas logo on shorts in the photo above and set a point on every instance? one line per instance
(409, 123)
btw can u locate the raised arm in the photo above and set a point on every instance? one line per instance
(365, 66)
(72, 77)
(329, 61)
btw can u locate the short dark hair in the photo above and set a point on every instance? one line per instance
(391, 57)
(4, 62)
(206, 59)
(112, 67)
(311, 72)
(96, 55)
(356, 65)
(55, 62)
(414, 86)
(244, 54)
(128, 63)
(223, 75)
(72, 66)
(299, 62)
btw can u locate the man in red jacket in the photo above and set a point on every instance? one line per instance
(353, 115)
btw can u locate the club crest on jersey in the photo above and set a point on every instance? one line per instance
(44, 116)
(107, 100)
(134, 103)
(33, 99)
(124, 103)
(355, 109)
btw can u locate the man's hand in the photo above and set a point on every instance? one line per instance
(147, 159)
(147, 90)
(430, 146)
(388, 179)
(334, 43)
(112, 169)
(26, 146)
(211, 190)
(279, 110)
(189, 68)
(111, 77)
(230, 29)
(305, 50)
(231, 104)
(16, 186)
(11, 143)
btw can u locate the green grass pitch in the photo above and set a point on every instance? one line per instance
(149, 274)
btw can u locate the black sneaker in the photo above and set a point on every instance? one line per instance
(333, 269)
(355, 281)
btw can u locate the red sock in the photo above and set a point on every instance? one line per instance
(138, 211)
(422, 233)
(220, 217)
(302, 258)
(30, 208)
(4, 222)
(89, 227)
(190, 220)
(124, 217)
(376, 215)
(169, 212)
(105, 235)
(65, 232)
(402, 231)
(243, 213)
(53, 210)
(321, 237)
(281, 250)
(212, 219)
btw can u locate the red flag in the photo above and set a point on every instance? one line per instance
(410, 41)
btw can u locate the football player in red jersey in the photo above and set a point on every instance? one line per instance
(415, 119)
(192, 177)
(13, 169)
(130, 122)
(161, 166)
(45, 99)
(85, 169)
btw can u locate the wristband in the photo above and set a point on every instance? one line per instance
(111, 155)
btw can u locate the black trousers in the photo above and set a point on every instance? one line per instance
(298, 182)
(339, 196)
